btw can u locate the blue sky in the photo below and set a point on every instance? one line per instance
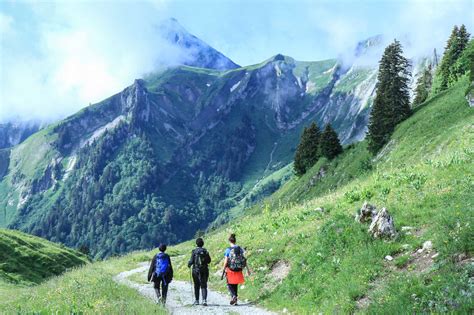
(68, 54)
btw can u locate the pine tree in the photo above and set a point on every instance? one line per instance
(457, 43)
(448, 58)
(423, 86)
(307, 153)
(463, 37)
(392, 100)
(329, 145)
(457, 69)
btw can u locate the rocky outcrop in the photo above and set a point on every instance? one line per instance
(366, 213)
(381, 222)
(320, 175)
(382, 225)
(470, 96)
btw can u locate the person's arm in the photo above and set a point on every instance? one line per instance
(171, 267)
(208, 258)
(152, 269)
(225, 263)
(224, 267)
(191, 260)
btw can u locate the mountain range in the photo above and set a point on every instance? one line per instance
(178, 149)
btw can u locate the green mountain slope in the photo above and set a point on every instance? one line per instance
(89, 289)
(423, 177)
(28, 259)
(172, 153)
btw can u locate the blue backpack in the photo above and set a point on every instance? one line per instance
(162, 265)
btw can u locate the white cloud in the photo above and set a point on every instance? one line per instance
(78, 54)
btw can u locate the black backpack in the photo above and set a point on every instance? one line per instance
(237, 260)
(200, 261)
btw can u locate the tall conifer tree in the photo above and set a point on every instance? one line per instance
(423, 86)
(457, 43)
(330, 146)
(448, 58)
(392, 100)
(307, 153)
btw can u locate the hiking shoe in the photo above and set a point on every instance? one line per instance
(196, 302)
(204, 303)
(233, 301)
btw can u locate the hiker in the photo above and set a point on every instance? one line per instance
(234, 263)
(161, 272)
(200, 260)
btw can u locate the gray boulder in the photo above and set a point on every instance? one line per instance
(366, 213)
(382, 225)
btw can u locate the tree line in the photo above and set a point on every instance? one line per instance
(392, 104)
(315, 144)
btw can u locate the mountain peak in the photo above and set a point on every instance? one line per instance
(366, 45)
(199, 53)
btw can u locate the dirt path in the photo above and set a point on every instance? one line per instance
(180, 297)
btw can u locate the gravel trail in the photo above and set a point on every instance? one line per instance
(180, 297)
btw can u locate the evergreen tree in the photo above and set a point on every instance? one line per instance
(462, 63)
(392, 100)
(423, 86)
(457, 43)
(463, 37)
(307, 153)
(329, 145)
(448, 58)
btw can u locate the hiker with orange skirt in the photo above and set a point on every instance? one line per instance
(234, 263)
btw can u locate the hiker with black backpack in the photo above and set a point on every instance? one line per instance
(200, 261)
(234, 264)
(161, 273)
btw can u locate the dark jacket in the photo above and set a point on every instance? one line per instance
(151, 272)
(205, 262)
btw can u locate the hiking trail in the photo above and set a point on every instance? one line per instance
(180, 297)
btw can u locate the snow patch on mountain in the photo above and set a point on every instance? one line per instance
(232, 89)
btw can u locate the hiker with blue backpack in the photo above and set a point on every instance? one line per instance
(161, 273)
(234, 264)
(200, 260)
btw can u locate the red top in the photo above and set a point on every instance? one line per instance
(234, 277)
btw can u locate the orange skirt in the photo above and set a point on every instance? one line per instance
(234, 277)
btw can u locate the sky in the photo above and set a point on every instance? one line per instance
(59, 56)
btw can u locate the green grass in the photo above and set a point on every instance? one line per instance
(28, 259)
(424, 178)
(86, 290)
(353, 79)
